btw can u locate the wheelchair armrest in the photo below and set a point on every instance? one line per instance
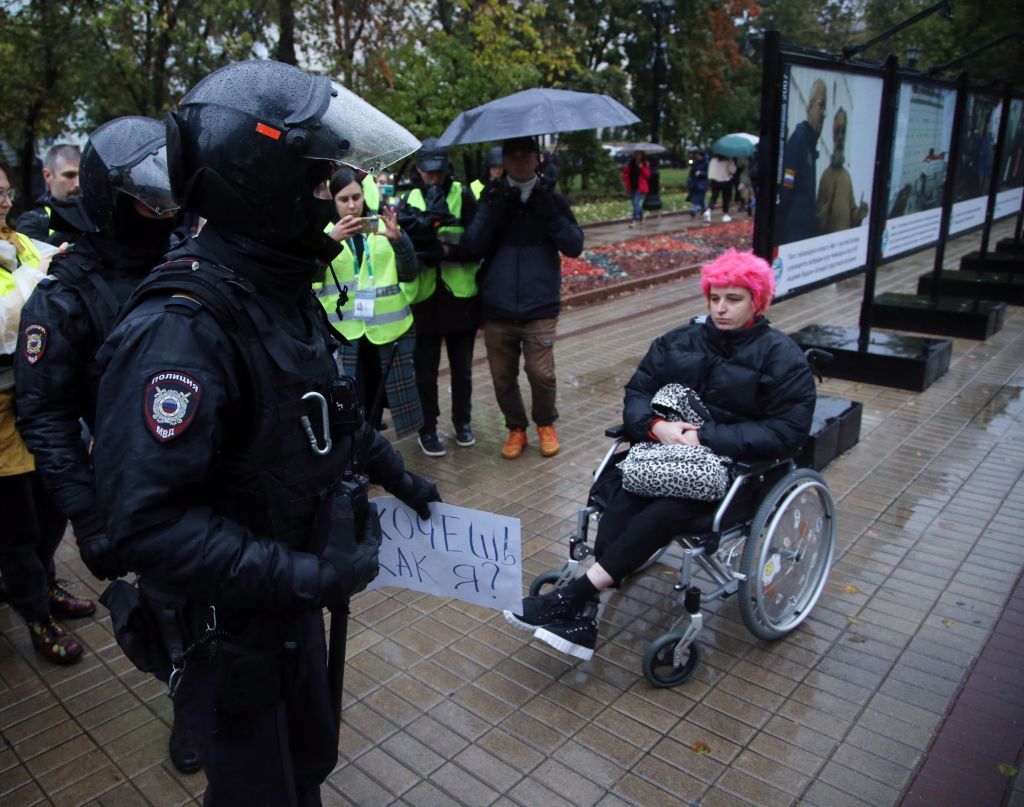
(615, 432)
(754, 468)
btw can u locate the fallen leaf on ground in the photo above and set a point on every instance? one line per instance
(700, 747)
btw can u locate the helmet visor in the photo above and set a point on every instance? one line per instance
(374, 140)
(147, 181)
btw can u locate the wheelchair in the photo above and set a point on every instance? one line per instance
(771, 541)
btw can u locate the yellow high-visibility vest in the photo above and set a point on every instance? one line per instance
(378, 271)
(459, 277)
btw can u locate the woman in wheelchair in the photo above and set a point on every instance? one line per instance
(759, 391)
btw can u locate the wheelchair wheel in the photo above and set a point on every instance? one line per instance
(787, 554)
(542, 583)
(657, 664)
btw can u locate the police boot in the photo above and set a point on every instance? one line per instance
(184, 746)
(188, 734)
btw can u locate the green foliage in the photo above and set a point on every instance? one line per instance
(581, 155)
(76, 63)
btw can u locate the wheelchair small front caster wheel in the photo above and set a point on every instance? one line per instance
(658, 667)
(544, 583)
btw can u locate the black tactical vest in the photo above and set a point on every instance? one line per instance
(102, 291)
(270, 479)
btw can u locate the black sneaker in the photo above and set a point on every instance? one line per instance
(543, 610)
(464, 436)
(577, 637)
(431, 444)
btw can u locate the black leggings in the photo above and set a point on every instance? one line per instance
(633, 528)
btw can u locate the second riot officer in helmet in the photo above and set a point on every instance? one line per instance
(229, 450)
(126, 213)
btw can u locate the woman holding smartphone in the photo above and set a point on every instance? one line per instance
(378, 265)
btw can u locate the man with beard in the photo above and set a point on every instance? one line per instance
(837, 210)
(127, 215)
(799, 172)
(45, 221)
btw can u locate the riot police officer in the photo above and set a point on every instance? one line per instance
(126, 214)
(230, 486)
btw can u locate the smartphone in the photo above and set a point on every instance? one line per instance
(387, 190)
(369, 224)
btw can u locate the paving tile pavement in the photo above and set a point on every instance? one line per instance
(446, 704)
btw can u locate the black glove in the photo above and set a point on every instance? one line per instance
(96, 548)
(417, 492)
(542, 200)
(437, 199)
(99, 557)
(349, 562)
(499, 192)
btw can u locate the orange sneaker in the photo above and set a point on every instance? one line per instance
(514, 445)
(548, 440)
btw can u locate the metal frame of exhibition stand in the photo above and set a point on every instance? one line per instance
(939, 308)
(890, 360)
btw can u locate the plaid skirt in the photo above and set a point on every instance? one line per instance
(403, 400)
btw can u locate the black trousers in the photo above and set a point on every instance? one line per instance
(277, 756)
(725, 188)
(632, 528)
(31, 528)
(427, 360)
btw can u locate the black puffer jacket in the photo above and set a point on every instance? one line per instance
(521, 276)
(755, 382)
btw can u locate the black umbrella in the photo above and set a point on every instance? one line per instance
(535, 112)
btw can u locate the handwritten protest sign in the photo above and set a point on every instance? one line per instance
(467, 554)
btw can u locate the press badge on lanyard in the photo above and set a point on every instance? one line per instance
(365, 299)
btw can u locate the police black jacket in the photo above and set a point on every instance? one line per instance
(183, 420)
(63, 324)
(755, 382)
(36, 223)
(521, 275)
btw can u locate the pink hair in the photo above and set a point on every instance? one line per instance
(745, 269)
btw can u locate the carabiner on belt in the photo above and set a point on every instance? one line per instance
(314, 444)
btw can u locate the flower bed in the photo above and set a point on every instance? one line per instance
(644, 257)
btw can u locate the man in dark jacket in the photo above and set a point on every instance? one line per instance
(70, 315)
(520, 228)
(797, 195)
(759, 391)
(446, 308)
(45, 221)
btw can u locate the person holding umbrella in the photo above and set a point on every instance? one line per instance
(520, 228)
(636, 175)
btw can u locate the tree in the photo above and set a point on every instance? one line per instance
(41, 76)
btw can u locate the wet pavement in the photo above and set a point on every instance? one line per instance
(447, 704)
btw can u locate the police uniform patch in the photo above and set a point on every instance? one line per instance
(789, 178)
(170, 403)
(35, 342)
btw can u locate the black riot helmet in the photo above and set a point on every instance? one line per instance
(494, 157)
(253, 144)
(124, 159)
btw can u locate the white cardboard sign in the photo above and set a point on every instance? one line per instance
(466, 554)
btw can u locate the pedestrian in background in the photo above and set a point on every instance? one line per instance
(697, 183)
(636, 177)
(721, 171)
